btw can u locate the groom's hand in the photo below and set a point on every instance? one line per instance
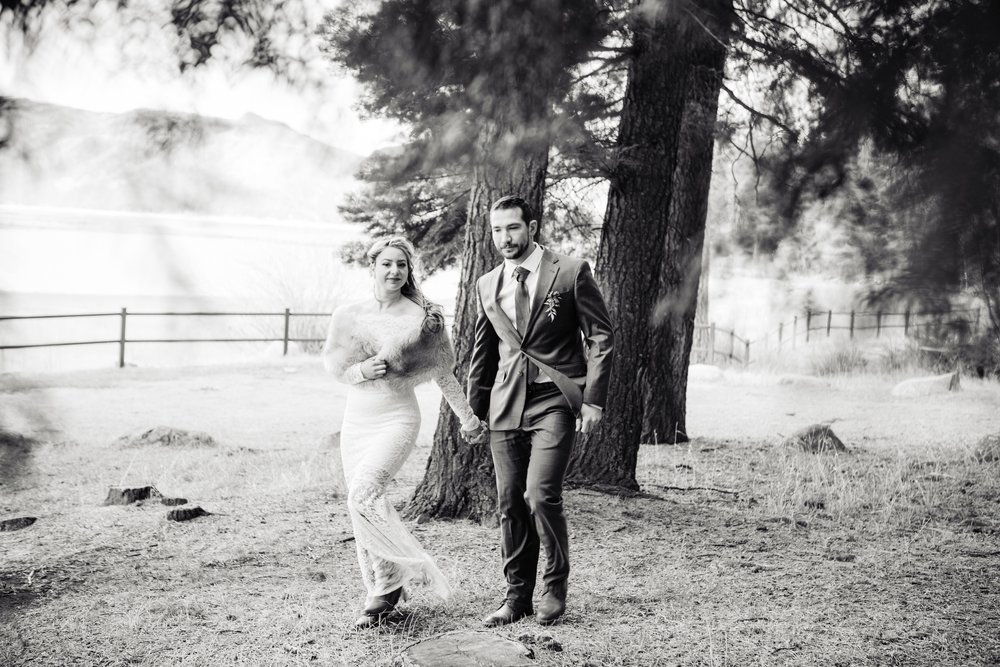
(477, 435)
(589, 416)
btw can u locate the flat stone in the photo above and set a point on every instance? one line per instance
(467, 648)
(927, 386)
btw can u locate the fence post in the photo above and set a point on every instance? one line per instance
(121, 342)
(732, 344)
(795, 327)
(711, 343)
(878, 324)
(746, 354)
(781, 328)
(906, 323)
(829, 318)
(284, 351)
(852, 325)
(809, 317)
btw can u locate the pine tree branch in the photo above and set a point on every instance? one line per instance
(755, 112)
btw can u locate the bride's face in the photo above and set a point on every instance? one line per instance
(391, 270)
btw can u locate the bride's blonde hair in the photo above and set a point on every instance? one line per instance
(433, 313)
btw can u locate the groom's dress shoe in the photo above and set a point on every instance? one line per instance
(552, 605)
(505, 615)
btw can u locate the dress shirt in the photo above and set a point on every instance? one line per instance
(506, 298)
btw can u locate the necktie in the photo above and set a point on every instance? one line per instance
(521, 310)
(521, 298)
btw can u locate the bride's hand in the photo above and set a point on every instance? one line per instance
(477, 435)
(373, 368)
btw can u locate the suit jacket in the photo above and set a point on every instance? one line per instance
(568, 336)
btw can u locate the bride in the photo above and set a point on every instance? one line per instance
(383, 347)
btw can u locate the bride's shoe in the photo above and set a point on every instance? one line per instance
(384, 604)
(380, 608)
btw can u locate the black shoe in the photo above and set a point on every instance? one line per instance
(552, 605)
(505, 615)
(384, 604)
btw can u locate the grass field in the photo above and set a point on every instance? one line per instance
(741, 550)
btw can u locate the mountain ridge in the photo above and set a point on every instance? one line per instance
(151, 160)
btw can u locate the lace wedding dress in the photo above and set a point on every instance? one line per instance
(381, 420)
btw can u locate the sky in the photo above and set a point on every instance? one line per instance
(99, 71)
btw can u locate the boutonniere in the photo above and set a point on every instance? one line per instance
(552, 304)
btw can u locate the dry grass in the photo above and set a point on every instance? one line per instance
(739, 551)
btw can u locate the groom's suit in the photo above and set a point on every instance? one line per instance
(567, 344)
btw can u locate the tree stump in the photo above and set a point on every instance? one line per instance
(816, 439)
(465, 647)
(168, 436)
(988, 448)
(120, 496)
(8, 525)
(186, 514)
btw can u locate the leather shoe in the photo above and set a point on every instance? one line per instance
(552, 605)
(383, 604)
(505, 615)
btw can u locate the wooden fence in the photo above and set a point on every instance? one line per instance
(712, 344)
(124, 340)
(955, 324)
(735, 349)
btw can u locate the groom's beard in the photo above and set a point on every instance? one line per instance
(514, 250)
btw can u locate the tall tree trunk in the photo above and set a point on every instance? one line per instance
(459, 481)
(670, 54)
(671, 330)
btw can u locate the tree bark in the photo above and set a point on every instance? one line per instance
(653, 226)
(459, 481)
(671, 330)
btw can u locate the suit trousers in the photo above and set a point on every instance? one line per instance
(530, 464)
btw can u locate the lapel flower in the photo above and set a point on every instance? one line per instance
(551, 304)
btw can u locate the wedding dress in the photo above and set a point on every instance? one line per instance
(381, 420)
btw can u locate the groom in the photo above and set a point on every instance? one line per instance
(539, 372)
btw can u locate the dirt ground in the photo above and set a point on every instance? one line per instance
(742, 550)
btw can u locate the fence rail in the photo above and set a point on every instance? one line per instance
(124, 340)
(735, 348)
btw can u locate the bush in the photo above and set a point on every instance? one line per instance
(838, 361)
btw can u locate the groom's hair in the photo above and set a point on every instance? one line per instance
(513, 201)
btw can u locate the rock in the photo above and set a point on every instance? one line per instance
(120, 496)
(463, 648)
(186, 514)
(8, 525)
(815, 439)
(169, 437)
(927, 386)
(171, 502)
(705, 373)
(988, 448)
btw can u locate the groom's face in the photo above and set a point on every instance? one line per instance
(511, 234)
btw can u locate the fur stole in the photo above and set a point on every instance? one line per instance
(415, 355)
